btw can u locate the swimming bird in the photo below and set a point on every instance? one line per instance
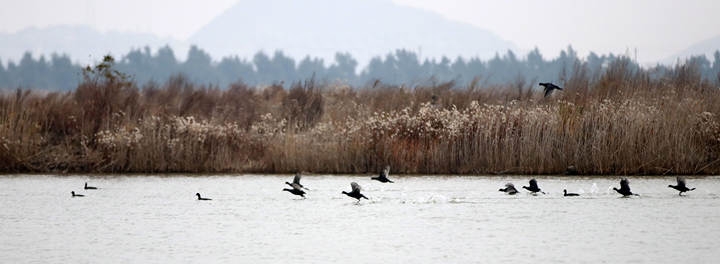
(296, 191)
(571, 170)
(201, 198)
(681, 186)
(565, 193)
(355, 193)
(383, 176)
(76, 195)
(549, 87)
(89, 187)
(533, 188)
(624, 188)
(509, 189)
(296, 182)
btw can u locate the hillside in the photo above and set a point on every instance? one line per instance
(324, 27)
(707, 47)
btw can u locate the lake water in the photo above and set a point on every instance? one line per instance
(433, 219)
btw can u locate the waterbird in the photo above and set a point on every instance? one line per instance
(681, 186)
(571, 170)
(355, 193)
(89, 187)
(76, 195)
(296, 191)
(549, 87)
(565, 193)
(533, 188)
(296, 182)
(383, 176)
(201, 198)
(509, 189)
(624, 188)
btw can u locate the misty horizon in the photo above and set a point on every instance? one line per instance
(292, 27)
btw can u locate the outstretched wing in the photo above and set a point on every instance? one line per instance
(510, 188)
(355, 187)
(384, 174)
(296, 186)
(680, 182)
(624, 184)
(533, 184)
(297, 178)
(547, 91)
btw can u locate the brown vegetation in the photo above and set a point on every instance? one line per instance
(622, 122)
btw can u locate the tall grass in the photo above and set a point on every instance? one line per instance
(622, 122)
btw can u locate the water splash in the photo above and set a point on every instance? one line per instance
(609, 190)
(432, 199)
(594, 189)
(437, 198)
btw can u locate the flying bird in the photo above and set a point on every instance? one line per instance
(533, 188)
(355, 193)
(549, 87)
(681, 186)
(296, 182)
(296, 191)
(509, 189)
(383, 176)
(624, 188)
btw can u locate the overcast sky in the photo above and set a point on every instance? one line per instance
(656, 28)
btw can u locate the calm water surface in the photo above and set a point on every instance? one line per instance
(150, 219)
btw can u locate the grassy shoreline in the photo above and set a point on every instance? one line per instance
(620, 123)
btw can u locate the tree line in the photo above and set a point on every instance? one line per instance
(399, 67)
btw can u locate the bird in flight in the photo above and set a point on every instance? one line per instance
(549, 87)
(533, 188)
(383, 177)
(355, 193)
(296, 182)
(681, 186)
(625, 188)
(509, 189)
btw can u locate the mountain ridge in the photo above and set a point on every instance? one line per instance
(321, 28)
(705, 47)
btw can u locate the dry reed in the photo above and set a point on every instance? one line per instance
(621, 122)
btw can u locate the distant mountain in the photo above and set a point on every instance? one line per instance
(323, 27)
(82, 43)
(707, 47)
(319, 28)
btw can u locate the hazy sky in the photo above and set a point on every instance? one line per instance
(657, 28)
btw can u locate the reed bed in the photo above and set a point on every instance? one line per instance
(620, 123)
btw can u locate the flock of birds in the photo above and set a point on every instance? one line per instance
(624, 188)
(299, 189)
(355, 190)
